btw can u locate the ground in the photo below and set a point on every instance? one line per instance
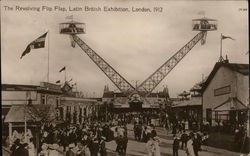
(138, 149)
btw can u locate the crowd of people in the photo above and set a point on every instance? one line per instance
(90, 138)
(79, 140)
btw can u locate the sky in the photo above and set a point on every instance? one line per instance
(135, 44)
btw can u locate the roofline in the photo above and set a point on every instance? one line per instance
(212, 73)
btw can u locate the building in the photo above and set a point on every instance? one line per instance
(225, 94)
(76, 110)
(23, 103)
(189, 105)
(121, 102)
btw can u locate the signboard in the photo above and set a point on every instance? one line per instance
(50, 86)
(222, 91)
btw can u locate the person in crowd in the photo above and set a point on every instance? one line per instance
(180, 128)
(44, 151)
(139, 131)
(150, 146)
(85, 142)
(174, 129)
(124, 143)
(53, 150)
(190, 149)
(120, 145)
(70, 151)
(102, 146)
(94, 148)
(144, 134)
(14, 147)
(81, 150)
(22, 150)
(31, 147)
(184, 139)
(136, 130)
(153, 131)
(64, 140)
(175, 145)
(196, 145)
(157, 146)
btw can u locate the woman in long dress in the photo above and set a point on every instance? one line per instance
(150, 146)
(157, 146)
(190, 148)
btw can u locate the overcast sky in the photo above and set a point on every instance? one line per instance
(135, 44)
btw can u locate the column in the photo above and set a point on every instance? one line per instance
(64, 112)
(77, 108)
(72, 114)
(10, 132)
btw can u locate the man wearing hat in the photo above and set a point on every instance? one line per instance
(70, 150)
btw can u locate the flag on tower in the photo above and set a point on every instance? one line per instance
(58, 81)
(64, 68)
(37, 43)
(225, 37)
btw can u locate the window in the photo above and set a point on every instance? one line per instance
(222, 91)
(209, 115)
(57, 102)
(43, 99)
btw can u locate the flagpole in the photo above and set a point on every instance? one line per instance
(220, 45)
(48, 58)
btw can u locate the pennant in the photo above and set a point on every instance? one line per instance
(64, 68)
(225, 37)
(36, 44)
(58, 81)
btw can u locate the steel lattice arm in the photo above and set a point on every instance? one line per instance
(112, 74)
(153, 80)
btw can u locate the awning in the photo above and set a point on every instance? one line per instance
(17, 113)
(232, 103)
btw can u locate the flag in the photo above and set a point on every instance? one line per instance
(58, 81)
(70, 80)
(225, 37)
(64, 68)
(38, 43)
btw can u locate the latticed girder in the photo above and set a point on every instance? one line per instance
(153, 80)
(123, 85)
